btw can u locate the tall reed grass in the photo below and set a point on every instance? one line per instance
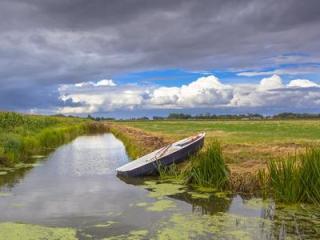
(295, 178)
(23, 135)
(208, 167)
(172, 171)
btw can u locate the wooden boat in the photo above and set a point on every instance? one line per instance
(172, 153)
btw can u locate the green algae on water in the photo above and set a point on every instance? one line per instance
(200, 195)
(5, 194)
(3, 173)
(142, 204)
(26, 165)
(7, 169)
(133, 235)
(160, 190)
(104, 225)
(219, 226)
(17, 231)
(201, 192)
(161, 205)
(257, 203)
(204, 189)
(158, 206)
(223, 195)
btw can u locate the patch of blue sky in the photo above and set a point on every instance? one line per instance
(164, 77)
(177, 77)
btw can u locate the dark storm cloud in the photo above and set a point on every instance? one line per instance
(46, 43)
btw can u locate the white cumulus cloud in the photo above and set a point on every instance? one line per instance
(101, 83)
(204, 92)
(269, 83)
(302, 83)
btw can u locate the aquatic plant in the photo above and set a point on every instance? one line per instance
(295, 178)
(161, 205)
(132, 235)
(15, 231)
(208, 167)
(164, 188)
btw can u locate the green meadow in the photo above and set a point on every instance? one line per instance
(241, 140)
(237, 131)
(277, 157)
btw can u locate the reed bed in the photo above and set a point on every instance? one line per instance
(24, 135)
(295, 178)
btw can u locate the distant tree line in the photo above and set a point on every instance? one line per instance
(251, 116)
(289, 115)
(100, 118)
(204, 116)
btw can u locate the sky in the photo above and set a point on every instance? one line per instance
(134, 58)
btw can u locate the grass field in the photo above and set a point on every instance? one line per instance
(241, 140)
(238, 132)
(248, 147)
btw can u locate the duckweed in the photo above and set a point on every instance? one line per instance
(17, 231)
(159, 190)
(133, 235)
(199, 195)
(142, 204)
(5, 194)
(26, 165)
(224, 195)
(104, 225)
(161, 205)
(220, 226)
(257, 203)
(204, 189)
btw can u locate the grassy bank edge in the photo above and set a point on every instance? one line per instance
(133, 149)
(198, 171)
(21, 148)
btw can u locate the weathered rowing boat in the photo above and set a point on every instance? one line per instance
(172, 153)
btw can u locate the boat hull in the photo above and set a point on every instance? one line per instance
(151, 168)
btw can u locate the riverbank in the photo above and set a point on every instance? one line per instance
(247, 146)
(23, 136)
(74, 194)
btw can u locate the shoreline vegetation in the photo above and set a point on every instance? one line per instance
(23, 136)
(292, 175)
(252, 157)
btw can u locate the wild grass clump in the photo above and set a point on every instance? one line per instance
(171, 171)
(295, 178)
(209, 169)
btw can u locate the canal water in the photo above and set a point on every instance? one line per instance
(74, 193)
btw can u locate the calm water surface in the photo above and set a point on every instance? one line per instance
(76, 187)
